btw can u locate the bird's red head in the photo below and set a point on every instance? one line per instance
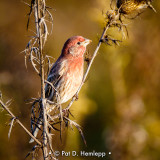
(75, 46)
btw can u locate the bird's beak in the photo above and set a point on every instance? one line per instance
(86, 42)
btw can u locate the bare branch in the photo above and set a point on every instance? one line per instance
(90, 64)
(17, 120)
(78, 127)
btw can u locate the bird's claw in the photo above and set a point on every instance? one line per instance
(67, 112)
(76, 97)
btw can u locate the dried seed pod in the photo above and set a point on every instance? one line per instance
(128, 7)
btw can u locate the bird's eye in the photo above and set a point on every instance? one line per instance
(78, 43)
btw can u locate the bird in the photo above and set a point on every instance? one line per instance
(128, 7)
(66, 74)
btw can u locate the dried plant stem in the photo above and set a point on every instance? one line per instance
(15, 118)
(43, 102)
(91, 62)
(45, 149)
(94, 55)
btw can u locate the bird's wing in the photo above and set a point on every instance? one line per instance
(54, 77)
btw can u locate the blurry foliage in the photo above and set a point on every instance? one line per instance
(118, 107)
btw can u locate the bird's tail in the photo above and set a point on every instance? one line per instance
(36, 128)
(39, 123)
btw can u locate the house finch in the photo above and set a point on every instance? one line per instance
(67, 72)
(130, 6)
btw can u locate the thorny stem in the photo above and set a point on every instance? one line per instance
(43, 103)
(45, 149)
(18, 121)
(91, 62)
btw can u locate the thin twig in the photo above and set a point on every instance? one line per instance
(18, 121)
(90, 64)
(11, 126)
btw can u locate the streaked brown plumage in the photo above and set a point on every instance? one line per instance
(131, 6)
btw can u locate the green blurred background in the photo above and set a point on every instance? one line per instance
(119, 105)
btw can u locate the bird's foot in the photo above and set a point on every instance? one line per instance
(67, 112)
(76, 97)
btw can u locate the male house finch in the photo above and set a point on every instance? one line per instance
(67, 72)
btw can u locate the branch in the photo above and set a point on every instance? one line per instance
(17, 120)
(39, 15)
(113, 20)
(90, 64)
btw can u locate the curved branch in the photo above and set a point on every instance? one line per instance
(90, 64)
